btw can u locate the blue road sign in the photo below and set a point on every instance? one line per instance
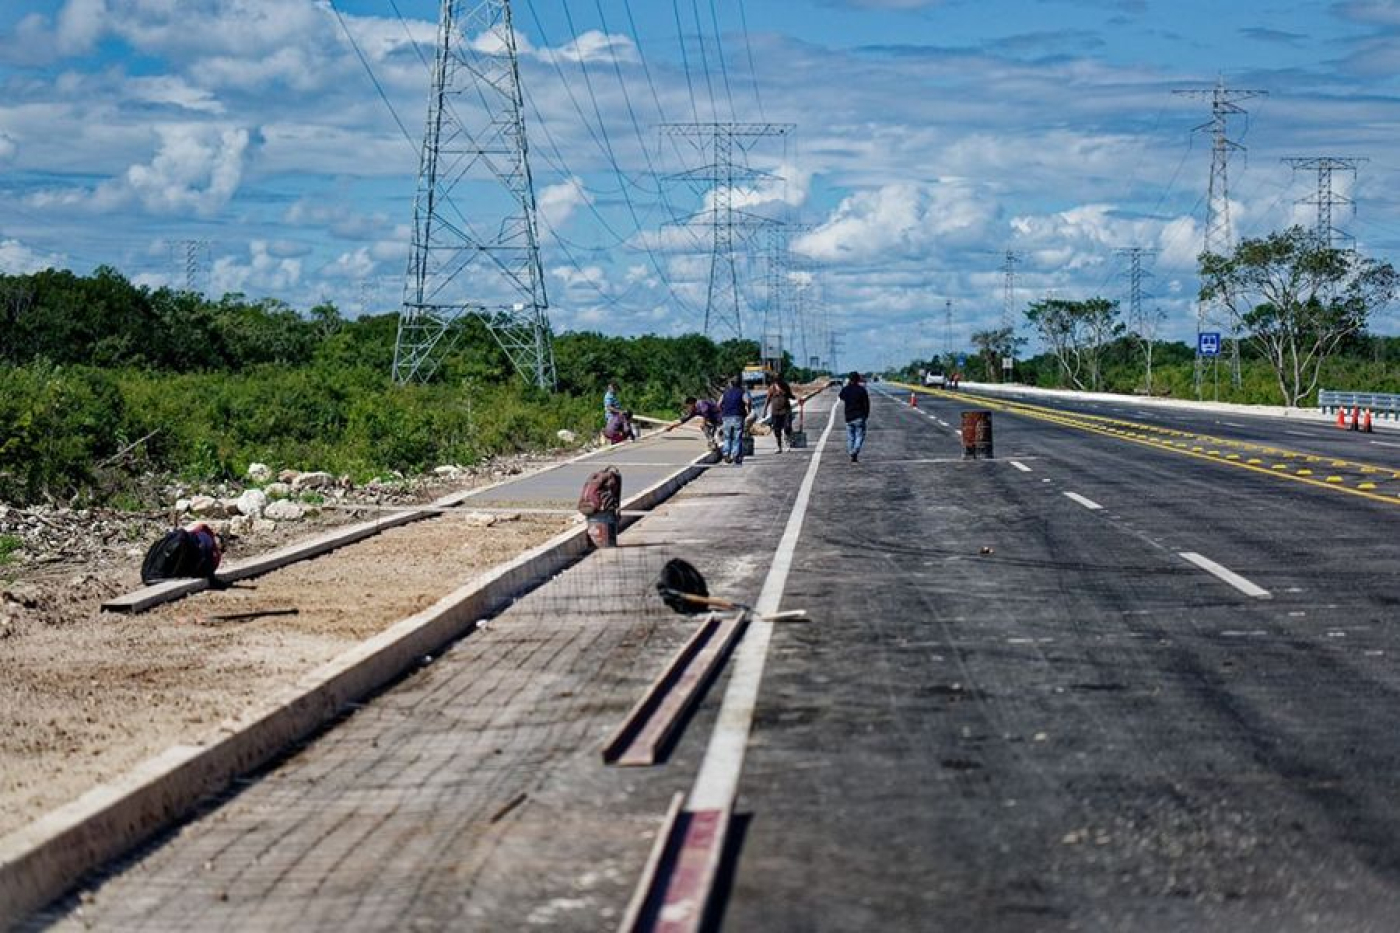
(962, 360)
(1208, 344)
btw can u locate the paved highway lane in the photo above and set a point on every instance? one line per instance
(1081, 729)
(1323, 438)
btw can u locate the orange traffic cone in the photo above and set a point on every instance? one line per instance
(1341, 417)
(913, 399)
(1366, 422)
(1356, 418)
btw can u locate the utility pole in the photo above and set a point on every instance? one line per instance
(487, 264)
(1326, 198)
(1144, 325)
(724, 145)
(1219, 235)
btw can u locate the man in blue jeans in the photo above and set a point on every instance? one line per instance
(733, 411)
(857, 409)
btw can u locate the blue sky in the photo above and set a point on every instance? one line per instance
(930, 137)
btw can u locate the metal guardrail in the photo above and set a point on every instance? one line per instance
(1380, 404)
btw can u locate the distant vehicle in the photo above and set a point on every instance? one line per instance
(935, 378)
(756, 374)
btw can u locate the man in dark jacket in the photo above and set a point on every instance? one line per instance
(857, 409)
(733, 411)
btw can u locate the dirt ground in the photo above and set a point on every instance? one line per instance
(87, 695)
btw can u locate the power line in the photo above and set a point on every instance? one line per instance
(748, 48)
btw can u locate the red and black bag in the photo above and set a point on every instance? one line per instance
(602, 492)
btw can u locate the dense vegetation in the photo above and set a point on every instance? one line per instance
(102, 380)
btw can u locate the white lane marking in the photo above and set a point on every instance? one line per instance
(1226, 574)
(1384, 444)
(718, 781)
(1020, 466)
(1087, 503)
(1299, 434)
(1231, 424)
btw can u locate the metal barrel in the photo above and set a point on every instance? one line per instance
(602, 529)
(977, 435)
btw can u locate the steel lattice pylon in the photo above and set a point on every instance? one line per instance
(718, 142)
(474, 145)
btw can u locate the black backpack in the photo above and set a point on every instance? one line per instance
(177, 554)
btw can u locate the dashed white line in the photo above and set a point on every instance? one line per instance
(1019, 465)
(1299, 434)
(1231, 424)
(1384, 444)
(1087, 503)
(1226, 574)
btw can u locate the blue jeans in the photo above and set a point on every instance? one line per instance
(855, 435)
(732, 433)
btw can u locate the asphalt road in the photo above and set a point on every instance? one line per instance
(1017, 707)
(1022, 712)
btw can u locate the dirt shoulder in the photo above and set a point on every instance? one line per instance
(87, 695)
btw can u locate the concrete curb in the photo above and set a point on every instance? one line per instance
(171, 590)
(1144, 401)
(41, 861)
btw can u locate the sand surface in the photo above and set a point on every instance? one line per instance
(86, 695)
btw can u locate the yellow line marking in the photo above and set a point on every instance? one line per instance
(1106, 427)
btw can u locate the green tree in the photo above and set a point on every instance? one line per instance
(1296, 299)
(993, 346)
(1077, 333)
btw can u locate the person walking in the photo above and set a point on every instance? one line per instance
(733, 412)
(857, 410)
(780, 399)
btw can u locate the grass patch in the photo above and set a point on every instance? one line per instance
(9, 546)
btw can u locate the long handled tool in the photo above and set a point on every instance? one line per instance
(683, 588)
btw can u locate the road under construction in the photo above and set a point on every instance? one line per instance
(1135, 671)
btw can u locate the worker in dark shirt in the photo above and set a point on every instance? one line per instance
(857, 410)
(733, 412)
(707, 410)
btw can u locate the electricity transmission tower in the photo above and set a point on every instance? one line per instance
(724, 145)
(1144, 324)
(1008, 310)
(1219, 235)
(190, 259)
(474, 149)
(1326, 198)
(948, 332)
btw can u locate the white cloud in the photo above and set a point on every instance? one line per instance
(175, 91)
(900, 221)
(556, 203)
(8, 146)
(593, 46)
(262, 273)
(18, 259)
(358, 264)
(80, 24)
(197, 168)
